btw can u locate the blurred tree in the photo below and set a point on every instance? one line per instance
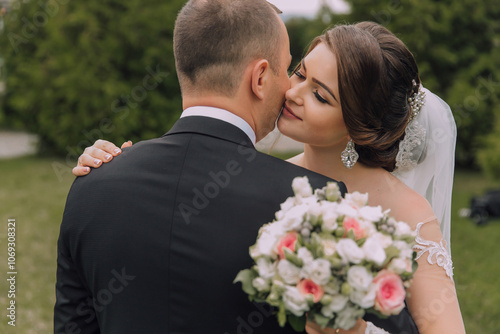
(489, 155)
(81, 70)
(456, 45)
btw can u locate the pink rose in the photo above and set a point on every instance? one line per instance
(353, 224)
(289, 241)
(308, 286)
(390, 295)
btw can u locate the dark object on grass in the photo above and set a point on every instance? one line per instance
(484, 207)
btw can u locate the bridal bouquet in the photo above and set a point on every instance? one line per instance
(333, 258)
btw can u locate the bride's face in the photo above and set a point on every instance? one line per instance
(312, 113)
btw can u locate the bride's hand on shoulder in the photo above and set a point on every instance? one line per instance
(314, 328)
(95, 155)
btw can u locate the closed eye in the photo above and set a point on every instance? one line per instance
(320, 99)
(300, 75)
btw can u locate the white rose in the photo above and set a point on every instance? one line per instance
(344, 209)
(404, 249)
(398, 265)
(305, 255)
(358, 199)
(266, 268)
(314, 211)
(330, 221)
(371, 213)
(359, 278)
(301, 187)
(307, 200)
(337, 304)
(365, 299)
(329, 246)
(349, 251)
(318, 271)
(383, 239)
(260, 284)
(374, 251)
(294, 217)
(289, 272)
(285, 206)
(269, 236)
(403, 229)
(295, 302)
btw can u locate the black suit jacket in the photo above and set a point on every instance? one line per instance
(152, 242)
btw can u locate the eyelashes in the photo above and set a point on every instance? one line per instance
(316, 93)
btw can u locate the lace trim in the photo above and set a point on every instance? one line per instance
(437, 250)
(372, 329)
(414, 135)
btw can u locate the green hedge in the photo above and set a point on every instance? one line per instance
(81, 70)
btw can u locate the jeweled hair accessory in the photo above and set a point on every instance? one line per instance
(414, 133)
(416, 101)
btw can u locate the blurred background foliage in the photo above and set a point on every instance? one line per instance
(75, 71)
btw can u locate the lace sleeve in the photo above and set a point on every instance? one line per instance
(432, 299)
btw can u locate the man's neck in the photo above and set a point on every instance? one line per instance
(233, 105)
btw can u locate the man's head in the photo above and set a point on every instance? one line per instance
(233, 54)
(214, 40)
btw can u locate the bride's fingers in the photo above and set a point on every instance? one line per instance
(312, 328)
(93, 157)
(127, 144)
(81, 171)
(106, 146)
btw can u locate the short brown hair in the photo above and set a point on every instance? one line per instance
(375, 74)
(215, 39)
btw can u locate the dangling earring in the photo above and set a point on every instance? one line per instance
(349, 156)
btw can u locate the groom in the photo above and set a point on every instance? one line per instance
(152, 242)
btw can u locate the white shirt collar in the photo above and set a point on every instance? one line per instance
(223, 115)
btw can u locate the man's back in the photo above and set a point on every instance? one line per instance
(157, 237)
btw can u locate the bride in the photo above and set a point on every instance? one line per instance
(357, 103)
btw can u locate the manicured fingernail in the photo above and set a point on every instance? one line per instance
(86, 169)
(117, 151)
(97, 162)
(130, 142)
(107, 157)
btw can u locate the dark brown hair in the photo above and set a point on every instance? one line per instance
(375, 74)
(215, 39)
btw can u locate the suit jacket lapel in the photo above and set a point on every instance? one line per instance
(210, 127)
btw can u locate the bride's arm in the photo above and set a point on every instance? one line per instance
(95, 155)
(433, 301)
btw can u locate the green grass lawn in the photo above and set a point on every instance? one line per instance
(32, 193)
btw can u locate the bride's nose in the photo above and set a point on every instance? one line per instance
(293, 94)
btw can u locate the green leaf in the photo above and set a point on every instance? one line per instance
(246, 277)
(298, 323)
(321, 320)
(282, 315)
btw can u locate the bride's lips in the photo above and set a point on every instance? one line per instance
(287, 112)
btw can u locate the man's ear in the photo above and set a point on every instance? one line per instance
(260, 73)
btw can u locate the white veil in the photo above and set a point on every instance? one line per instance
(426, 160)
